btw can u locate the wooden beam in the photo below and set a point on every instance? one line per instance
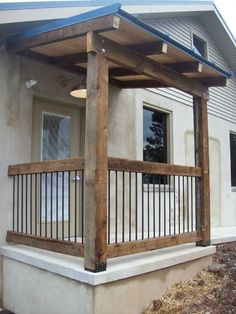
(100, 24)
(153, 48)
(214, 81)
(152, 167)
(140, 64)
(146, 49)
(186, 67)
(63, 247)
(96, 161)
(127, 248)
(70, 164)
(202, 160)
(140, 84)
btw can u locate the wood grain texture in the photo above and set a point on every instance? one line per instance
(141, 64)
(96, 162)
(151, 167)
(64, 247)
(127, 248)
(69, 164)
(81, 29)
(202, 160)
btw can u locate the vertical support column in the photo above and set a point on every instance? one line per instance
(202, 160)
(95, 198)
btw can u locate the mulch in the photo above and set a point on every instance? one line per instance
(212, 291)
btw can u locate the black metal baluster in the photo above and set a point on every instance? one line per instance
(179, 218)
(183, 206)
(31, 203)
(123, 206)
(69, 213)
(130, 199)
(174, 206)
(18, 203)
(192, 204)
(26, 203)
(51, 206)
(109, 207)
(46, 205)
(40, 205)
(13, 204)
(75, 208)
(169, 178)
(159, 199)
(136, 206)
(142, 208)
(148, 210)
(116, 205)
(63, 208)
(82, 204)
(36, 204)
(154, 209)
(164, 205)
(187, 203)
(57, 203)
(22, 203)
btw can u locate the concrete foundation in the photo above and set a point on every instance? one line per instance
(40, 282)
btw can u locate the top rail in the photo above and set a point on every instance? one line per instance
(69, 164)
(152, 167)
(118, 164)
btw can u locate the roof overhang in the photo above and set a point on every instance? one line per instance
(64, 43)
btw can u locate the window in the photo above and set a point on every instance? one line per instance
(233, 158)
(200, 46)
(154, 139)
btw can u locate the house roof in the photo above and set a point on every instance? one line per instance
(36, 13)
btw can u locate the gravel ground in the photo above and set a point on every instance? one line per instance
(212, 291)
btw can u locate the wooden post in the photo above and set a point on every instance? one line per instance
(96, 161)
(202, 160)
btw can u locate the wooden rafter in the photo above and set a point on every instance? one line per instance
(100, 24)
(143, 65)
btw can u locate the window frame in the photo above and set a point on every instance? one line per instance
(203, 39)
(168, 140)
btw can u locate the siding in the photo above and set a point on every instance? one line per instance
(222, 101)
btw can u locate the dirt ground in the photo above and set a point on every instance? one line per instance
(212, 291)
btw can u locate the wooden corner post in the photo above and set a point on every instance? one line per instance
(96, 161)
(202, 160)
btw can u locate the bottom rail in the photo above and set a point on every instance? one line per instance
(127, 248)
(64, 247)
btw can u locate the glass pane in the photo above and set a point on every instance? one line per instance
(233, 158)
(154, 142)
(55, 137)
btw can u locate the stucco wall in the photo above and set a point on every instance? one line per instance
(125, 130)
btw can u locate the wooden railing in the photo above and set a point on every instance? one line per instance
(150, 206)
(48, 209)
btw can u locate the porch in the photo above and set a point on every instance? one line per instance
(99, 207)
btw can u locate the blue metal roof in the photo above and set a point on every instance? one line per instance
(115, 9)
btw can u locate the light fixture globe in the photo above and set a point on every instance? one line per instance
(79, 91)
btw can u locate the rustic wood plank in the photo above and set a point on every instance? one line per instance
(152, 48)
(186, 67)
(127, 248)
(100, 24)
(140, 64)
(69, 164)
(151, 167)
(139, 84)
(64, 247)
(214, 81)
(202, 160)
(96, 161)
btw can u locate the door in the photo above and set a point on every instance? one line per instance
(57, 133)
